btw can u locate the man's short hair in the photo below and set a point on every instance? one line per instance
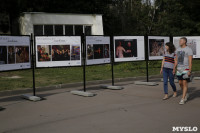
(184, 38)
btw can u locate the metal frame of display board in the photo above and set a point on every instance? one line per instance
(112, 59)
(146, 56)
(32, 48)
(85, 54)
(113, 62)
(34, 58)
(83, 45)
(31, 65)
(23, 69)
(34, 97)
(29, 51)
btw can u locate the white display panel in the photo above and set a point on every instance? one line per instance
(156, 46)
(129, 48)
(193, 42)
(97, 50)
(57, 51)
(14, 53)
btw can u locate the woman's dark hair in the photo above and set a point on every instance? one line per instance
(171, 47)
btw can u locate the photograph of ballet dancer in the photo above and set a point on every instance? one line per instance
(3, 55)
(125, 48)
(11, 55)
(22, 54)
(60, 52)
(156, 47)
(44, 53)
(98, 51)
(75, 53)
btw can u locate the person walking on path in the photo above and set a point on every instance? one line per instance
(184, 67)
(168, 69)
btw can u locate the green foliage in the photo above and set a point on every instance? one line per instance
(122, 17)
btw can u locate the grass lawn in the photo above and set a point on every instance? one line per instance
(53, 76)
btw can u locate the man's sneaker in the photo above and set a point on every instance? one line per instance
(186, 97)
(182, 102)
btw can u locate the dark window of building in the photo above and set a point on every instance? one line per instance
(88, 30)
(48, 30)
(38, 30)
(4, 23)
(78, 30)
(58, 30)
(69, 30)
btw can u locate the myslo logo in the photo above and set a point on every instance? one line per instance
(184, 129)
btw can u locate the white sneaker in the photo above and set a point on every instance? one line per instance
(186, 97)
(182, 102)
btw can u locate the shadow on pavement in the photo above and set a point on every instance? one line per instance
(1, 108)
(19, 99)
(194, 93)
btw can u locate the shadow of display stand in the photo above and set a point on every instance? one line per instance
(1, 108)
(28, 96)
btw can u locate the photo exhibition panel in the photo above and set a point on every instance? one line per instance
(97, 50)
(129, 48)
(193, 42)
(14, 53)
(58, 51)
(156, 45)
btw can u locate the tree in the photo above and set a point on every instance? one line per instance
(121, 17)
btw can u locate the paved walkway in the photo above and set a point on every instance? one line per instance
(136, 109)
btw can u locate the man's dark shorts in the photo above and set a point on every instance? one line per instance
(181, 78)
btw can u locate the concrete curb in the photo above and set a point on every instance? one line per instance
(70, 86)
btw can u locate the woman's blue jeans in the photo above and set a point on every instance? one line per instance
(168, 73)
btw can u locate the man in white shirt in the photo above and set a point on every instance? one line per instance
(184, 67)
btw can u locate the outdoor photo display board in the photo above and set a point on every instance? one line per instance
(14, 52)
(97, 50)
(57, 51)
(129, 48)
(156, 46)
(193, 42)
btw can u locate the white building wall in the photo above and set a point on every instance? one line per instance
(27, 20)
